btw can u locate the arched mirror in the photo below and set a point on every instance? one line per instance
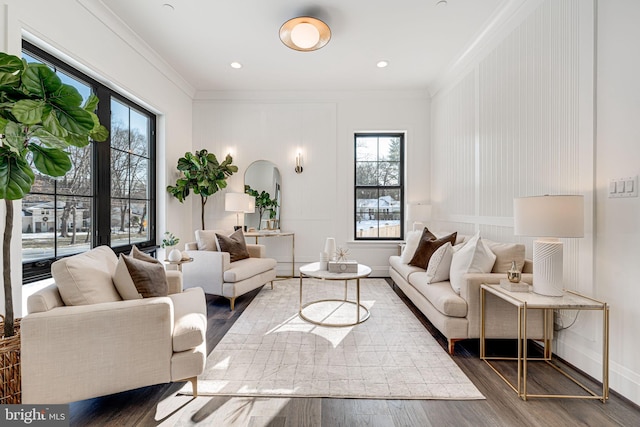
(262, 180)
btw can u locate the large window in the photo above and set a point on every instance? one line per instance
(379, 186)
(107, 198)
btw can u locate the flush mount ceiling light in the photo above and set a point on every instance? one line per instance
(305, 33)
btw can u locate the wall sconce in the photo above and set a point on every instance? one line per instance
(299, 168)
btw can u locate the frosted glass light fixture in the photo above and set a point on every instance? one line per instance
(305, 34)
(548, 218)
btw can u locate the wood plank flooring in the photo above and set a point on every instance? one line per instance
(160, 405)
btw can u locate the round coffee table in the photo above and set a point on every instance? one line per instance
(313, 271)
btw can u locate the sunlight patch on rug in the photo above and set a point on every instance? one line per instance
(271, 351)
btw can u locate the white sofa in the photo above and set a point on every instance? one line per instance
(214, 272)
(457, 316)
(93, 348)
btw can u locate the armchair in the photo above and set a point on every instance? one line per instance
(108, 345)
(214, 272)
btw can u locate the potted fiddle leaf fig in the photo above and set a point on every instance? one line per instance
(203, 174)
(40, 118)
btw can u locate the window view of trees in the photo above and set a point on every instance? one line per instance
(129, 175)
(79, 211)
(379, 186)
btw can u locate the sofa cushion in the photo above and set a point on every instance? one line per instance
(440, 264)
(206, 239)
(404, 270)
(506, 253)
(440, 295)
(189, 332)
(411, 244)
(427, 246)
(246, 268)
(472, 257)
(234, 244)
(86, 278)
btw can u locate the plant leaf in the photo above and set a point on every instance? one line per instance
(16, 176)
(50, 161)
(66, 96)
(11, 68)
(40, 80)
(48, 139)
(53, 126)
(75, 120)
(15, 137)
(28, 111)
(91, 103)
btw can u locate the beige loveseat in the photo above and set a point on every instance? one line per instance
(457, 315)
(80, 339)
(214, 272)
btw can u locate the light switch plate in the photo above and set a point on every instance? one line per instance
(623, 187)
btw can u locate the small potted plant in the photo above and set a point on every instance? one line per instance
(169, 241)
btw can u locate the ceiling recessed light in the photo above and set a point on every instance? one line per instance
(168, 7)
(442, 3)
(382, 64)
(236, 65)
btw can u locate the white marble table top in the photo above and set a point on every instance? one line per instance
(567, 301)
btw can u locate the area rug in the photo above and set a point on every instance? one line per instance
(270, 351)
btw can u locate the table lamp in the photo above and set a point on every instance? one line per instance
(548, 218)
(239, 203)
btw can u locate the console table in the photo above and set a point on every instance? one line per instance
(525, 301)
(257, 235)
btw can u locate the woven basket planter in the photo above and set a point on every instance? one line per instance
(10, 380)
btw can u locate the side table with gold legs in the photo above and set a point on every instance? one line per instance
(525, 301)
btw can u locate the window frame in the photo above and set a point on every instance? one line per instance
(35, 270)
(400, 186)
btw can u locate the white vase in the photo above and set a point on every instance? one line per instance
(330, 248)
(175, 255)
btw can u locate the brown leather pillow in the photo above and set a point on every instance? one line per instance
(234, 244)
(427, 246)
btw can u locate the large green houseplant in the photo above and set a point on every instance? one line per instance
(203, 174)
(40, 117)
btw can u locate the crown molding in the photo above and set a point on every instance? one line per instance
(113, 22)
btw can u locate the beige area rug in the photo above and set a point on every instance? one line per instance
(271, 351)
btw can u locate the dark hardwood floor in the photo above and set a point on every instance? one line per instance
(161, 406)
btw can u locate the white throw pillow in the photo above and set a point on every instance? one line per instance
(410, 246)
(440, 264)
(207, 240)
(473, 257)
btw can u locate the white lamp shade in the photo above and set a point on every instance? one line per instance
(239, 202)
(250, 203)
(549, 216)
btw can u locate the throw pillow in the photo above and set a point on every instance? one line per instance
(473, 257)
(206, 240)
(506, 253)
(149, 278)
(440, 264)
(86, 278)
(124, 284)
(234, 244)
(410, 246)
(427, 246)
(138, 254)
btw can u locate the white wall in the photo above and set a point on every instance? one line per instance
(318, 202)
(520, 121)
(617, 156)
(78, 31)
